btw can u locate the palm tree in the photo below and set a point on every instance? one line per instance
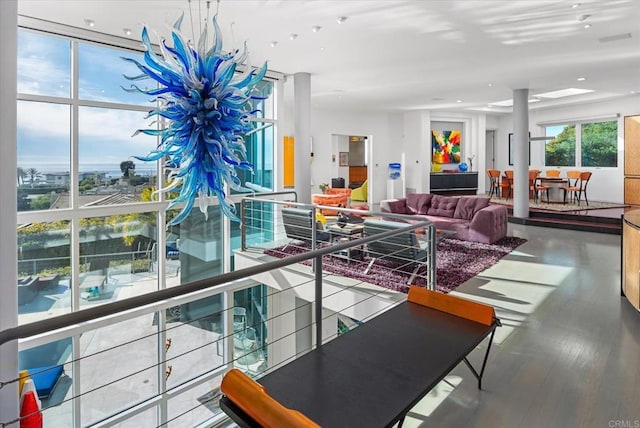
(128, 168)
(21, 175)
(33, 174)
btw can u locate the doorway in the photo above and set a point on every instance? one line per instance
(351, 159)
(490, 140)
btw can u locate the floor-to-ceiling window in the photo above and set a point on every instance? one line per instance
(92, 231)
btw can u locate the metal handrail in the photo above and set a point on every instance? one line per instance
(108, 309)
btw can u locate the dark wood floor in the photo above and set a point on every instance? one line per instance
(567, 354)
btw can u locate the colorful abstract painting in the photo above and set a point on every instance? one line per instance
(445, 146)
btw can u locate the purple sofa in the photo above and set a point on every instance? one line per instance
(473, 218)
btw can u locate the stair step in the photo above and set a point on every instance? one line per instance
(573, 223)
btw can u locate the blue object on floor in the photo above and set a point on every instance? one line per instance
(45, 379)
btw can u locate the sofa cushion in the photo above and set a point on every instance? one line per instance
(418, 203)
(468, 207)
(443, 206)
(396, 206)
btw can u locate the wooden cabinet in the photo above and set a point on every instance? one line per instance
(631, 257)
(631, 159)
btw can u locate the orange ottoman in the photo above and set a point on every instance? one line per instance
(330, 201)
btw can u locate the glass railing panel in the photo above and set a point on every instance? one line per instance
(44, 270)
(119, 367)
(194, 347)
(196, 405)
(49, 366)
(117, 256)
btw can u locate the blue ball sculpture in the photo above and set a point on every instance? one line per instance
(463, 167)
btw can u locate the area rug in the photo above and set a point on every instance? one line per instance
(456, 262)
(593, 205)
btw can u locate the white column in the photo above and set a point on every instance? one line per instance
(281, 324)
(521, 153)
(8, 165)
(302, 135)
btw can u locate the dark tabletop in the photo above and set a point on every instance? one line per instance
(372, 375)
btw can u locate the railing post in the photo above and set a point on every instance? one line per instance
(314, 229)
(432, 262)
(318, 301)
(243, 226)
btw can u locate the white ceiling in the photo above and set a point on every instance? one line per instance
(405, 54)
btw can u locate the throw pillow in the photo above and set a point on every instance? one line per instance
(418, 203)
(443, 206)
(396, 206)
(468, 207)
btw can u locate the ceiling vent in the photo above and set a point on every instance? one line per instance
(614, 38)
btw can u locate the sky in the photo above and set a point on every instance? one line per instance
(104, 135)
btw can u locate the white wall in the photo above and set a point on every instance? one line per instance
(384, 144)
(606, 184)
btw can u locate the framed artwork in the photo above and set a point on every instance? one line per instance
(344, 158)
(445, 146)
(511, 148)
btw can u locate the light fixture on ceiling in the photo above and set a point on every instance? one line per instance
(583, 17)
(273, 44)
(587, 25)
(322, 48)
(293, 36)
(490, 85)
(127, 31)
(89, 22)
(316, 28)
(458, 101)
(564, 93)
(575, 5)
(581, 79)
(341, 19)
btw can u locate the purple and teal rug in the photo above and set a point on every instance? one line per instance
(456, 261)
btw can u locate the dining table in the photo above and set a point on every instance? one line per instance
(555, 185)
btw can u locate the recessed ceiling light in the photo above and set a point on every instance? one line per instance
(573, 6)
(341, 19)
(322, 48)
(581, 79)
(587, 25)
(90, 22)
(127, 31)
(316, 28)
(293, 36)
(273, 44)
(564, 93)
(458, 101)
(583, 17)
(489, 105)
(490, 85)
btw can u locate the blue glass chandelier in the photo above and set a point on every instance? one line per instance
(208, 109)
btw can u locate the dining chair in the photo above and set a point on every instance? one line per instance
(534, 187)
(507, 183)
(494, 181)
(552, 173)
(573, 177)
(582, 184)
